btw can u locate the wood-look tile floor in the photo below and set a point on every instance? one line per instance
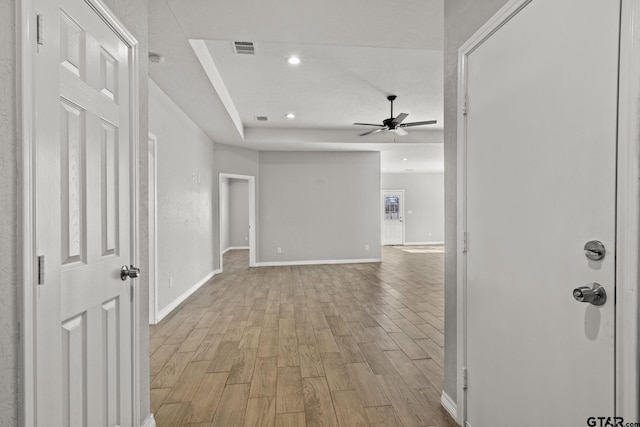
(327, 345)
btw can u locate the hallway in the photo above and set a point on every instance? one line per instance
(327, 345)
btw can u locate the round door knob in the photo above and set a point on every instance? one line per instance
(595, 294)
(129, 272)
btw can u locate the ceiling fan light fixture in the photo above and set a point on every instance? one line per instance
(394, 125)
(293, 60)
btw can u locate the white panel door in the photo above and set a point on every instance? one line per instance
(83, 219)
(392, 218)
(541, 182)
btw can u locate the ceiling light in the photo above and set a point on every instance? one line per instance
(290, 116)
(404, 159)
(293, 60)
(384, 169)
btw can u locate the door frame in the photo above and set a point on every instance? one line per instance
(627, 379)
(382, 213)
(153, 232)
(252, 215)
(25, 109)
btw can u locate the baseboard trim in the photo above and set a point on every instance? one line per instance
(422, 243)
(169, 308)
(449, 405)
(234, 248)
(317, 262)
(216, 272)
(150, 421)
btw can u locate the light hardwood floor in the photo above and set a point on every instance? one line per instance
(328, 345)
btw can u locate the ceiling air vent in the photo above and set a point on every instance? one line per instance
(262, 118)
(244, 48)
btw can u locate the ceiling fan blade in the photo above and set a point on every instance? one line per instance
(368, 124)
(428, 122)
(400, 131)
(373, 131)
(400, 118)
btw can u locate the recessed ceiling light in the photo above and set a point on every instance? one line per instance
(404, 159)
(293, 60)
(290, 116)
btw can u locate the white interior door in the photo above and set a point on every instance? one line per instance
(541, 182)
(83, 219)
(392, 217)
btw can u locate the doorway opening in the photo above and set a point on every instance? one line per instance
(236, 215)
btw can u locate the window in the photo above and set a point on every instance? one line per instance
(392, 207)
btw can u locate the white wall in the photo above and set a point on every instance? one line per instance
(239, 213)
(186, 193)
(9, 221)
(319, 206)
(424, 198)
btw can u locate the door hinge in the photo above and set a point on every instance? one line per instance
(465, 242)
(39, 29)
(465, 105)
(40, 269)
(464, 379)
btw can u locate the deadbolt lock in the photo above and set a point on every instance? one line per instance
(594, 250)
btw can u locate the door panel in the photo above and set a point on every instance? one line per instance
(541, 169)
(83, 220)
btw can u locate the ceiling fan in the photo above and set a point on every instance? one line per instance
(394, 124)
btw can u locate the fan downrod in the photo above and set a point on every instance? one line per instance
(391, 98)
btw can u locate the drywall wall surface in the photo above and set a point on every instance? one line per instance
(318, 206)
(185, 198)
(239, 213)
(8, 217)
(237, 161)
(462, 18)
(423, 204)
(225, 223)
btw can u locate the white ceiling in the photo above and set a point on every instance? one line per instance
(354, 54)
